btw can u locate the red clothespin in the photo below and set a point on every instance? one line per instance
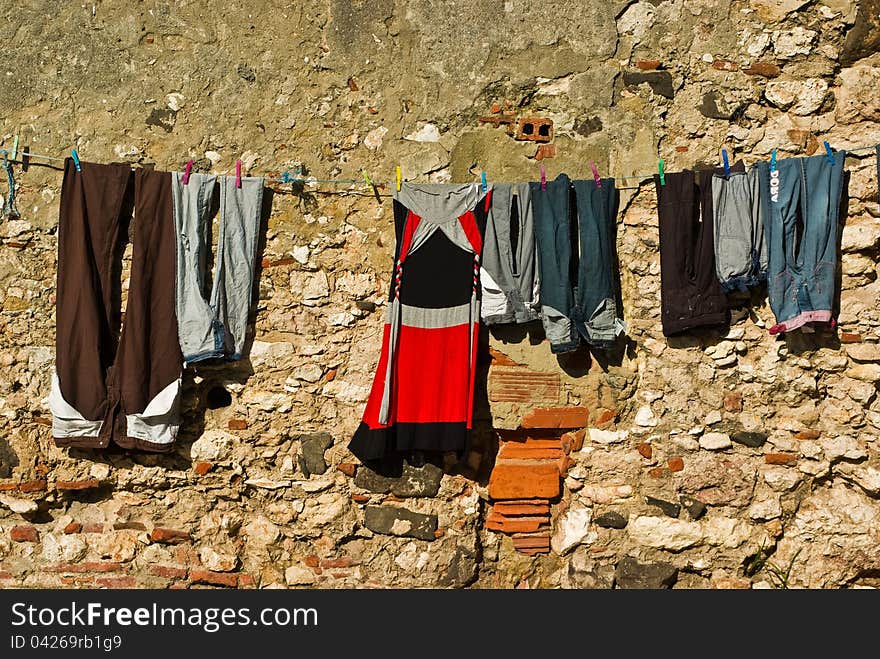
(238, 173)
(187, 171)
(596, 174)
(543, 178)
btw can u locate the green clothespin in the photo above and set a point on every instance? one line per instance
(662, 173)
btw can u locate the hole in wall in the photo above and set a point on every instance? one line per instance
(528, 129)
(544, 130)
(218, 397)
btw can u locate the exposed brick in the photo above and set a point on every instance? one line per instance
(5, 576)
(312, 560)
(178, 586)
(129, 526)
(360, 498)
(495, 108)
(681, 149)
(563, 464)
(72, 486)
(343, 561)
(530, 450)
(169, 536)
(496, 522)
(167, 571)
(519, 384)
(93, 527)
(77, 582)
(266, 263)
(808, 434)
(532, 544)
(524, 481)
(534, 129)
(117, 582)
(330, 375)
(93, 566)
(648, 64)
(545, 151)
(556, 417)
(725, 65)
(202, 468)
(24, 533)
(733, 401)
(500, 359)
(237, 424)
(850, 337)
(645, 450)
(764, 69)
(347, 468)
(573, 441)
(658, 472)
(32, 486)
(780, 458)
(732, 583)
(514, 508)
(675, 463)
(246, 581)
(229, 580)
(439, 533)
(8, 487)
(73, 527)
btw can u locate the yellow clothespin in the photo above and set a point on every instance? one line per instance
(398, 178)
(367, 178)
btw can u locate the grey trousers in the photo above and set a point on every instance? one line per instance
(740, 246)
(509, 275)
(215, 326)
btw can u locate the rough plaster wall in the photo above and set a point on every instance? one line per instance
(337, 86)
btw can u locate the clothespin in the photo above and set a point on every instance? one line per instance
(238, 173)
(14, 148)
(25, 158)
(75, 157)
(187, 171)
(829, 152)
(773, 160)
(543, 178)
(483, 182)
(596, 174)
(286, 177)
(662, 173)
(399, 177)
(372, 185)
(726, 163)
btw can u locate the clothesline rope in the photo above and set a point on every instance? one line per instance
(310, 180)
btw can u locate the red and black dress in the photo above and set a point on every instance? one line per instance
(423, 391)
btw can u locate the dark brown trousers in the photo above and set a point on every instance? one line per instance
(111, 386)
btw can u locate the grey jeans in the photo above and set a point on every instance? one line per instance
(740, 246)
(216, 326)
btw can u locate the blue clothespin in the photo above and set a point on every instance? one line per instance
(829, 152)
(483, 182)
(661, 172)
(596, 174)
(726, 163)
(773, 160)
(543, 178)
(286, 177)
(75, 156)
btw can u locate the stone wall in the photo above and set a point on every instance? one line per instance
(718, 459)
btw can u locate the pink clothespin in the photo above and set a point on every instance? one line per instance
(238, 173)
(543, 178)
(596, 174)
(187, 171)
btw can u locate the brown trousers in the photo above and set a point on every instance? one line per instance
(111, 386)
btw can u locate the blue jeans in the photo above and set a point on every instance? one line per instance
(578, 286)
(801, 201)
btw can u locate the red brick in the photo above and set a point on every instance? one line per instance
(24, 533)
(681, 149)
(330, 375)
(512, 509)
(524, 481)
(545, 151)
(229, 580)
(360, 498)
(500, 359)
(95, 566)
(850, 337)
(246, 581)
(573, 441)
(763, 69)
(605, 417)
(117, 582)
(178, 586)
(780, 458)
(439, 533)
(32, 486)
(563, 464)
(77, 582)
(658, 472)
(808, 434)
(496, 522)
(725, 65)
(93, 527)
(202, 468)
(8, 487)
(556, 417)
(169, 536)
(648, 64)
(675, 463)
(532, 544)
(312, 560)
(352, 85)
(527, 451)
(5, 576)
(73, 527)
(237, 424)
(733, 401)
(347, 468)
(266, 263)
(66, 486)
(645, 450)
(167, 571)
(129, 526)
(343, 561)
(518, 384)
(495, 108)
